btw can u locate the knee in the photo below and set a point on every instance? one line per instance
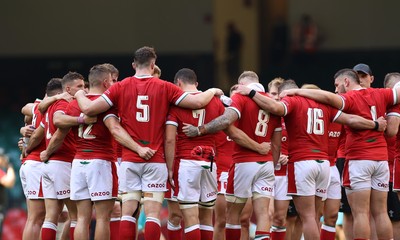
(245, 222)
(330, 220)
(278, 220)
(175, 219)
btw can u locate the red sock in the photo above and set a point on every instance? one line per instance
(193, 232)
(232, 232)
(127, 228)
(206, 232)
(152, 229)
(174, 232)
(278, 233)
(114, 228)
(72, 230)
(49, 231)
(328, 232)
(262, 235)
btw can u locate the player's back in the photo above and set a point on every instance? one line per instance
(67, 150)
(195, 117)
(370, 103)
(143, 104)
(258, 124)
(93, 141)
(307, 124)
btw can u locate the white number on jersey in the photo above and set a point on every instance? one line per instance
(373, 113)
(85, 134)
(315, 122)
(200, 114)
(48, 134)
(262, 125)
(145, 115)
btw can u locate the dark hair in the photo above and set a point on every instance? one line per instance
(287, 84)
(112, 68)
(390, 79)
(98, 73)
(53, 87)
(144, 55)
(347, 72)
(71, 76)
(186, 75)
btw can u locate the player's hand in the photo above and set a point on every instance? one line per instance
(171, 178)
(89, 119)
(66, 96)
(264, 148)
(382, 124)
(289, 92)
(190, 130)
(146, 153)
(217, 92)
(283, 159)
(242, 89)
(21, 144)
(44, 156)
(27, 130)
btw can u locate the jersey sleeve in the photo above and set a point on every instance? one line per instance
(394, 111)
(175, 94)
(237, 105)
(288, 104)
(172, 118)
(111, 95)
(73, 109)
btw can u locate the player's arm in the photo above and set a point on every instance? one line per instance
(123, 137)
(90, 107)
(48, 101)
(61, 120)
(243, 140)
(215, 125)
(264, 102)
(393, 123)
(35, 139)
(27, 109)
(55, 142)
(276, 141)
(196, 101)
(321, 96)
(358, 122)
(169, 148)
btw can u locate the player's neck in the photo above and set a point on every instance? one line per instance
(143, 72)
(190, 89)
(96, 91)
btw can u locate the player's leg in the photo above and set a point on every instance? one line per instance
(35, 219)
(278, 229)
(174, 220)
(103, 215)
(220, 217)
(53, 210)
(245, 217)
(84, 208)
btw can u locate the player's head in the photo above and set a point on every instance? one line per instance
(273, 87)
(72, 82)
(144, 58)
(309, 86)
(233, 89)
(345, 78)
(391, 79)
(86, 88)
(364, 74)
(185, 76)
(101, 76)
(248, 77)
(54, 87)
(287, 84)
(157, 71)
(114, 71)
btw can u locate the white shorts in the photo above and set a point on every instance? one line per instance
(366, 174)
(280, 188)
(222, 182)
(93, 179)
(31, 176)
(251, 177)
(145, 177)
(196, 183)
(308, 178)
(334, 188)
(56, 179)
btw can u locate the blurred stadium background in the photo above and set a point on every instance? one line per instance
(44, 39)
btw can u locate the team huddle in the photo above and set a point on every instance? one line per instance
(216, 160)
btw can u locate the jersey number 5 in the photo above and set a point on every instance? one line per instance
(143, 116)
